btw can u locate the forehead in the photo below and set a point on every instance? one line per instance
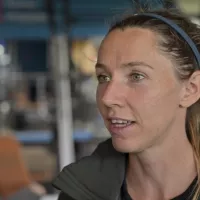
(128, 45)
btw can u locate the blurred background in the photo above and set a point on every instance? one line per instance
(48, 114)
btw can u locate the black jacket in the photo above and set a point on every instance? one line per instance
(64, 196)
(96, 177)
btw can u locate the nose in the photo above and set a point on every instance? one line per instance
(113, 95)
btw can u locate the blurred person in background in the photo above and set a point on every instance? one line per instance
(16, 182)
(148, 70)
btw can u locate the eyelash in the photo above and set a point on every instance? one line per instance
(101, 76)
(136, 74)
(131, 77)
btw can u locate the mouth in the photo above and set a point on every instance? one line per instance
(120, 123)
(121, 128)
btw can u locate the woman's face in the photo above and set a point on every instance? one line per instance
(138, 94)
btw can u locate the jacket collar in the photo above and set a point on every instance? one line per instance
(96, 177)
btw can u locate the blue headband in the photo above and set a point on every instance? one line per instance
(180, 31)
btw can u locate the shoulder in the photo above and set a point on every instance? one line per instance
(100, 174)
(64, 196)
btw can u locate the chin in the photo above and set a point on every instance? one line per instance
(124, 146)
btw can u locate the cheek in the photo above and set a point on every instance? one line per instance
(99, 95)
(148, 101)
(139, 95)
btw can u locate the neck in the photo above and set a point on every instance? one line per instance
(162, 173)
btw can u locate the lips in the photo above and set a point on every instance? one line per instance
(120, 122)
(119, 126)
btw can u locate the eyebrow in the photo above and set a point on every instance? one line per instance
(126, 65)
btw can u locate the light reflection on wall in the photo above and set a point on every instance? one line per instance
(191, 7)
(84, 57)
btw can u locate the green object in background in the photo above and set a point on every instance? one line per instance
(191, 7)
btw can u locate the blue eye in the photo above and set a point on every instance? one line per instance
(103, 78)
(136, 77)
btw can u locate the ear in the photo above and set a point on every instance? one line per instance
(191, 90)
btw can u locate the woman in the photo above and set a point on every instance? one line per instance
(148, 95)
